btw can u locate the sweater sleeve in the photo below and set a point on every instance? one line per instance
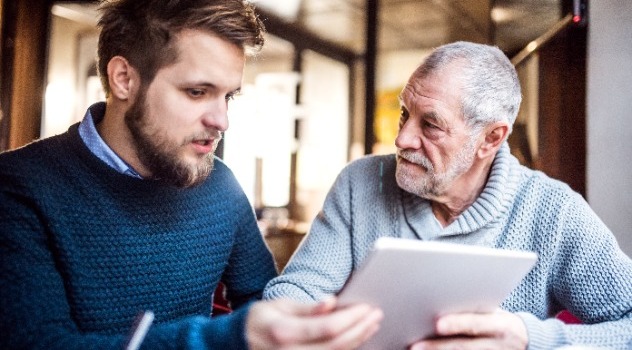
(323, 261)
(250, 265)
(36, 313)
(592, 278)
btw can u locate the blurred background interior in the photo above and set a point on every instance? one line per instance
(324, 91)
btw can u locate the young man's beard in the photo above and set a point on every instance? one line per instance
(160, 155)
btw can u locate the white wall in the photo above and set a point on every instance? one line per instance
(609, 116)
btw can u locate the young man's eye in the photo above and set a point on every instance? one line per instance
(232, 95)
(196, 92)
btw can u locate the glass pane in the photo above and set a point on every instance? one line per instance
(72, 82)
(258, 143)
(324, 132)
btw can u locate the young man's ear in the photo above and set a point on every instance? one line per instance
(122, 77)
(495, 135)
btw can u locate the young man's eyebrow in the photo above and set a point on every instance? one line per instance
(210, 85)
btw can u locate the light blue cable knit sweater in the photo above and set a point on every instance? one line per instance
(580, 268)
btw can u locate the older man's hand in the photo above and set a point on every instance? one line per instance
(497, 330)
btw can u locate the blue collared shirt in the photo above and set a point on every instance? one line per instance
(96, 145)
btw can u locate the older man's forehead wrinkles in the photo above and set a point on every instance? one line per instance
(417, 91)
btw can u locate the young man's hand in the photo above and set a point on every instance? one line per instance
(285, 324)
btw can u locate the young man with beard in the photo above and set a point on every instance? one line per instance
(453, 179)
(130, 211)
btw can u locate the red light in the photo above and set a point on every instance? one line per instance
(577, 18)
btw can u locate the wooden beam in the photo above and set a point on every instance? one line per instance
(562, 115)
(370, 67)
(303, 38)
(24, 67)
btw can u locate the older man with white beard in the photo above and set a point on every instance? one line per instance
(454, 179)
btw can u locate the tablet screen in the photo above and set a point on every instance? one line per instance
(415, 281)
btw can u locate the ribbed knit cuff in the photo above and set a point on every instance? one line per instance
(543, 335)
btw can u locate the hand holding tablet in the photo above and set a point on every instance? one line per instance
(415, 281)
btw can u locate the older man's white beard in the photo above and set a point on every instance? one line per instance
(416, 158)
(431, 185)
(424, 185)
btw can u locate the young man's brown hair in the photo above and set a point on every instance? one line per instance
(143, 33)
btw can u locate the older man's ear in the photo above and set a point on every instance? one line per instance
(495, 135)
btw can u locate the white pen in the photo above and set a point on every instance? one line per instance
(141, 326)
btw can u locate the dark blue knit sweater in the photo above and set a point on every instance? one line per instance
(84, 249)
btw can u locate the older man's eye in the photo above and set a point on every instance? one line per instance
(430, 125)
(403, 116)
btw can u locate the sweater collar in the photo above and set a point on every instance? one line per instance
(493, 202)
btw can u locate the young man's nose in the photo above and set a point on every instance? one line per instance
(216, 115)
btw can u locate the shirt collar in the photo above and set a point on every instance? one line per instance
(96, 145)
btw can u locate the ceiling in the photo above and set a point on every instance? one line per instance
(421, 24)
(402, 24)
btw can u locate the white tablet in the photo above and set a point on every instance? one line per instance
(415, 281)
